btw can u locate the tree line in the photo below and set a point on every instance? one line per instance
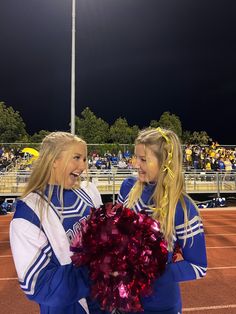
(94, 129)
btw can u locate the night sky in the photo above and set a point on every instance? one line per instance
(134, 59)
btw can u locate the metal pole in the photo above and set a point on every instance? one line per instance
(73, 69)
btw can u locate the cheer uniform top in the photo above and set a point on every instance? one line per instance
(166, 298)
(41, 250)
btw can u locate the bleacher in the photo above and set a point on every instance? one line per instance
(109, 181)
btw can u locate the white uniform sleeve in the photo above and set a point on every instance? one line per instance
(41, 277)
(91, 189)
(28, 245)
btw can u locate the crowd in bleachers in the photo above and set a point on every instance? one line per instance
(7, 157)
(210, 158)
(11, 158)
(108, 160)
(196, 157)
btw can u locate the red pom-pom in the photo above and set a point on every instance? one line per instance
(125, 253)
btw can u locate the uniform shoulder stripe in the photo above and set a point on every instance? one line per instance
(84, 196)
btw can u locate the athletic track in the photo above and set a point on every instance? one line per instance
(215, 294)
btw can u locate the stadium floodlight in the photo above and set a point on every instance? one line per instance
(73, 68)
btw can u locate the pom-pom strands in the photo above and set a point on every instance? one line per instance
(125, 253)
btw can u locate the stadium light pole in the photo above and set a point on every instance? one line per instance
(72, 120)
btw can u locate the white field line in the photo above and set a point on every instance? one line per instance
(219, 234)
(217, 219)
(221, 247)
(208, 247)
(206, 308)
(219, 226)
(221, 267)
(186, 309)
(217, 209)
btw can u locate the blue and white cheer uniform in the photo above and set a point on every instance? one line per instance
(166, 298)
(41, 250)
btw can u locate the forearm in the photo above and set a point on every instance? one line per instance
(60, 285)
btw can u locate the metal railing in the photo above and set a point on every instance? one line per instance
(109, 181)
(210, 182)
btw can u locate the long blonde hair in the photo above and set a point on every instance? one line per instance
(51, 148)
(169, 189)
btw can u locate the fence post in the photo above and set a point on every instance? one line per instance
(113, 188)
(218, 184)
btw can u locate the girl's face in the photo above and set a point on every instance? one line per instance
(146, 163)
(69, 166)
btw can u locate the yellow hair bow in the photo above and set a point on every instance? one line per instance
(171, 173)
(170, 154)
(163, 134)
(160, 211)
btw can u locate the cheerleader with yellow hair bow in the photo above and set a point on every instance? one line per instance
(159, 191)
